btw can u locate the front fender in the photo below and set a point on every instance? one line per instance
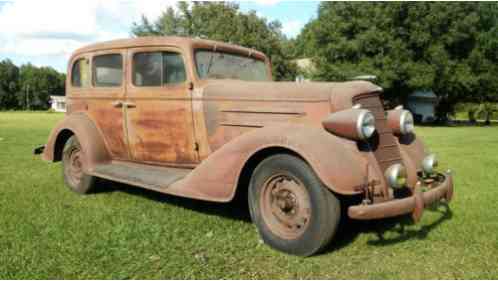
(90, 139)
(414, 149)
(333, 159)
(413, 152)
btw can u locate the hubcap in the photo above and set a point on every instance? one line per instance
(285, 206)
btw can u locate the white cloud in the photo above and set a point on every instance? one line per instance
(292, 28)
(267, 2)
(37, 30)
(58, 27)
(29, 17)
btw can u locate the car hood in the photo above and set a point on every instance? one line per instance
(335, 92)
(230, 108)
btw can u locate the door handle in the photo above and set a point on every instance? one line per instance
(129, 104)
(117, 103)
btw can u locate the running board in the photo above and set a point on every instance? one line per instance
(146, 176)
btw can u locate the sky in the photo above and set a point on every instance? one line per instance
(46, 32)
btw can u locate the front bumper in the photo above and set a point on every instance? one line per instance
(414, 204)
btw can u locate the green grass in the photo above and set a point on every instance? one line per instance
(47, 231)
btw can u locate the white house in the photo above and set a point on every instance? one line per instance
(58, 103)
(422, 103)
(305, 67)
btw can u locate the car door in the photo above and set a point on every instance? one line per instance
(102, 96)
(159, 107)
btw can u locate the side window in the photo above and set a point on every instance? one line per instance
(80, 74)
(108, 70)
(174, 69)
(154, 69)
(147, 69)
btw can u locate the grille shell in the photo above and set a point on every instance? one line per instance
(383, 143)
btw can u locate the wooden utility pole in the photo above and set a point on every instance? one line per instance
(27, 97)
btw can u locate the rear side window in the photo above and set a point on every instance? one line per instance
(80, 74)
(108, 70)
(155, 69)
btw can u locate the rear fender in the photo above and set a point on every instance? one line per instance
(333, 159)
(90, 139)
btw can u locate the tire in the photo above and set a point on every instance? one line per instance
(292, 210)
(73, 163)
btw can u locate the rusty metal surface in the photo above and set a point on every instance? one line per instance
(383, 143)
(285, 206)
(156, 178)
(336, 161)
(88, 135)
(232, 108)
(413, 204)
(343, 123)
(160, 123)
(162, 41)
(414, 150)
(393, 117)
(99, 103)
(76, 161)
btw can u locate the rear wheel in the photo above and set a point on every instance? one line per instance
(74, 163)
(291, 208)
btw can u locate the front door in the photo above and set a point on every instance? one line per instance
(160, 125)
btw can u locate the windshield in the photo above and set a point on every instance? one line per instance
(219, 65)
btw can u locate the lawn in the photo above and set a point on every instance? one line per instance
(47, 231)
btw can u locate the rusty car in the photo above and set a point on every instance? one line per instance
(203, 119)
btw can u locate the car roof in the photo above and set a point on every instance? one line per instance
(151, 41)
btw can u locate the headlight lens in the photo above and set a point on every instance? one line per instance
(396, 176)
(406, 123)
(429, 164)
(366, 124)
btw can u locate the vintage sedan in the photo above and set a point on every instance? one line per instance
(204, 120)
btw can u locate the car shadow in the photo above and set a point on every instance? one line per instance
(404, 234)
(350, 229)
(235, 210)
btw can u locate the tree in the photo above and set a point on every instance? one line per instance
(223, 21)
(9, 83)
(447, 48)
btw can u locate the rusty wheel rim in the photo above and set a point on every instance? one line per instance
(74, 167)
(285, 206)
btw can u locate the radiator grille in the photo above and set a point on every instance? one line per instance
(383, 143)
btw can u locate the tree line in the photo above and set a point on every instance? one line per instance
(448, 48)
(28, 87)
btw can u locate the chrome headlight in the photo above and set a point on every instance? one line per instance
(365, 124)
(396, 176)
(353, 123)
(429, 164)
(406, 123)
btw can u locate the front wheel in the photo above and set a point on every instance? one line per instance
(73, 167)
(291, 208)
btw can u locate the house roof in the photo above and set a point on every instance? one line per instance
(421, 94)
(58, 98)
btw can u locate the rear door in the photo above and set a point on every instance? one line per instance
(98, 83)
(159, 107)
